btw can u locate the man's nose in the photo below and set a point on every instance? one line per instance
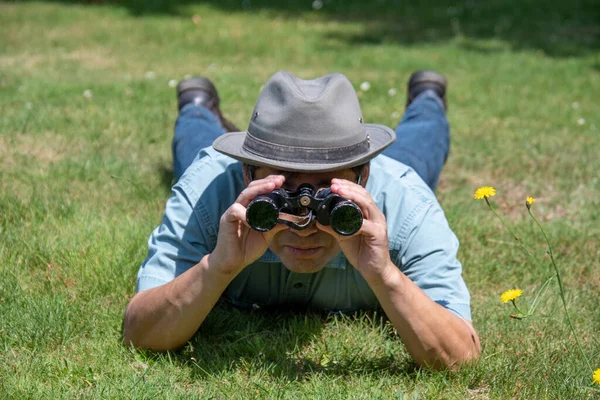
(309, 230)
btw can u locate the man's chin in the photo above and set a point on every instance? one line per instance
(303, 267)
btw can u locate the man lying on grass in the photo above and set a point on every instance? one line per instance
(396, 252)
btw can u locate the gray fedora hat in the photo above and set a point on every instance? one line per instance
(307, 126)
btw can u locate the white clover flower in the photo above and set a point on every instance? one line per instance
(365, 86)
(172, 83)
(317, 5)
(392, 92)
(581, 121)
(87, 94)
(575, 105)
(150, 75)
(395, 115)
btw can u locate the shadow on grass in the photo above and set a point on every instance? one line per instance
(273, 342)
(167, 180)
(554, 27)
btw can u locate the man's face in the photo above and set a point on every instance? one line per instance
(306, 250)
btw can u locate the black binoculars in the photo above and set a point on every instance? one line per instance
(298, 208)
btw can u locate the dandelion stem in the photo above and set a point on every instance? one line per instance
(513, 234)
(562, 291)
(517, 308)
(539, 293)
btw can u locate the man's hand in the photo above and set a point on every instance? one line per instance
(368, 249)
(238, 245)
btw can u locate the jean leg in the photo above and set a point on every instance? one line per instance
(196, 128)
(423, 137)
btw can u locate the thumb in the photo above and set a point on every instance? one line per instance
(236, 213)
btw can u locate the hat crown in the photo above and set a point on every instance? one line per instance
(319, 113)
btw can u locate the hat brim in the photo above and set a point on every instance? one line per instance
(232, 144)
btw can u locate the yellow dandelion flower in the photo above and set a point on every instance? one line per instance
(530, 200)
(511, 295)
(484, 192)
(597, 376)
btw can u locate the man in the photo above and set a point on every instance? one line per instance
(403, 259)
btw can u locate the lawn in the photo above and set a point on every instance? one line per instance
(87, 112)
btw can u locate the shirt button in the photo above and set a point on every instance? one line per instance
(297, 285)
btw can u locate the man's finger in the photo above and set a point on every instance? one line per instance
(271, 178)
(360, 196)
(259, 187)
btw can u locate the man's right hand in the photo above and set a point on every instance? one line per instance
(238, 245)
(165, 317)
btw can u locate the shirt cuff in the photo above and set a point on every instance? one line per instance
(145, 282)
(462, 310)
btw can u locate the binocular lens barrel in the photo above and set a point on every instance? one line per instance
(346, 218)
(262, 214)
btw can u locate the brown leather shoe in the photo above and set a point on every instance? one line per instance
(201, 91)
(423, 80)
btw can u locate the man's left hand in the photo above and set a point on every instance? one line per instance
(368, 249)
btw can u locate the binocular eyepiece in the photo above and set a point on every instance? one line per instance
(298, 208)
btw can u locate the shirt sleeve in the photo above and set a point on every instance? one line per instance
(428, 258)
(178, 243)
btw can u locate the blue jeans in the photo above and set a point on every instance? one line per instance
(423, 135)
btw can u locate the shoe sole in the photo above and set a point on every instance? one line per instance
(427, 76)
(198, 83)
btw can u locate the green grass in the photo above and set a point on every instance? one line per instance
(84, 180)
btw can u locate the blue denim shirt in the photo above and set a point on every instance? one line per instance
(421, 243)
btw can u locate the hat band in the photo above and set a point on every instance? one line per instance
(280, 152)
